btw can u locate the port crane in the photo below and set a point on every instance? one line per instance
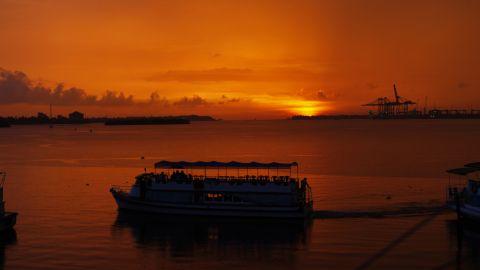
(387, 108)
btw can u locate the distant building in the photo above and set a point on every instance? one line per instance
(76, 116)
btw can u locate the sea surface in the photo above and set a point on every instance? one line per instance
(58, 180)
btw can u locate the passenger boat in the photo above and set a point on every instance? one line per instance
(463, 191)
(179, 189)
(7, 219)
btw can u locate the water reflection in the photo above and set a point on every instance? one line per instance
(7, 238)
(465, 236)
(214, 238)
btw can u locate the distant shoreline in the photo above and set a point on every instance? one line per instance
(147, 121)
(109, 121)
(376, 117)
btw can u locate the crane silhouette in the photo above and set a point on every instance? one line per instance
(387, 108)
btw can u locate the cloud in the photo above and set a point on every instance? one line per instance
(237, 74)
(194, 101)
(16, 87)
(112, 98)
(224, 99)
(318, 95)
(155, 99)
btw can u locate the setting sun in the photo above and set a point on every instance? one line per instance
(306, 107)
(307, 110)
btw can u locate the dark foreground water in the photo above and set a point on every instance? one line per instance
(58, 181)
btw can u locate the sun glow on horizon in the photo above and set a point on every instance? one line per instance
(292, 105)
(306, 107)
(306, 110)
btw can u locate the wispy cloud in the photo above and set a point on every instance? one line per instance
(224, 99)
(314, 94)
(194, 101)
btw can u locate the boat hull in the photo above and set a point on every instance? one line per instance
(7, 221)
(129, 203)
(467, 211)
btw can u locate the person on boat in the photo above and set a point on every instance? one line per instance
(162, 177)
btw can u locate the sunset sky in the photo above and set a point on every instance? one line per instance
(235, 59)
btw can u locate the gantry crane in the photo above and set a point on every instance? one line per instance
(387, 108)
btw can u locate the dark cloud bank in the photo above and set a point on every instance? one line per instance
(16, 87)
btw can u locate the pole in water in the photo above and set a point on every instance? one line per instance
(457, 206)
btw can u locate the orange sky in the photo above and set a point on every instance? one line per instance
(240, 59)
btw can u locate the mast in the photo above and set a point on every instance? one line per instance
(397, 98)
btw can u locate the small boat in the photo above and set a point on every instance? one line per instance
(7, 219)
(463, 191)
(179, 190)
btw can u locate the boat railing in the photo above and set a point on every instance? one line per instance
(244, 178)
(121, 189)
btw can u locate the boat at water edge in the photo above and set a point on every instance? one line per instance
(463, 191)
(179, 190)
(7, 219)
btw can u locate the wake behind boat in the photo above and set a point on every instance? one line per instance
(179, 190)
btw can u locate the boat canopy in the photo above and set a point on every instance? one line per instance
(215, 164)
(463, 171)
(473, 165)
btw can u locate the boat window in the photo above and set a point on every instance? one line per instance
(214, 197)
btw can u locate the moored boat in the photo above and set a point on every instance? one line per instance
(463, 191)
(178, 189)
(7, 219)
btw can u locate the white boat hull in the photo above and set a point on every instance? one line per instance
(134, 204)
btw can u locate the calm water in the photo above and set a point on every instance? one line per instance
(58, 180)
